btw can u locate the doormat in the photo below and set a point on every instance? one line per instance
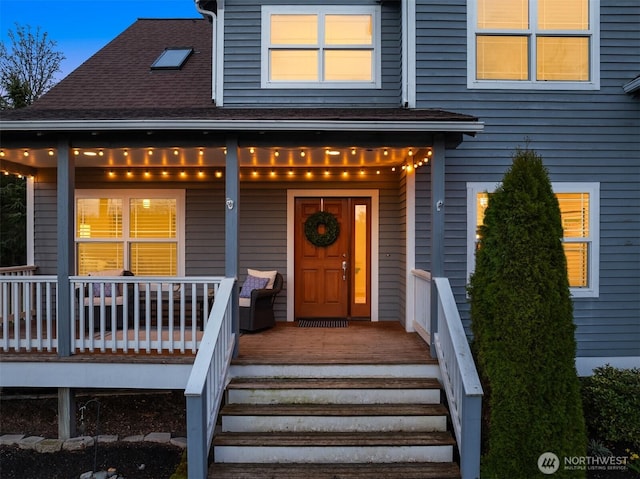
(323, 323)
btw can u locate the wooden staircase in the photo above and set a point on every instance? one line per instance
(334, 422)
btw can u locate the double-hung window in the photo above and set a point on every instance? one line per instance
(324, 46)
(141, 231)
(538, 44)
(580, 214)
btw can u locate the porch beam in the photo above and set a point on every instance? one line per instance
(232, 221)
(437, 227)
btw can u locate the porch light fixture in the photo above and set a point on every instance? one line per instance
(218, 174)
(309, 174)
(112, 173)
(385, 152)
(273, 173)
(26, 153)
(326, 172)
(50, 152)
(150, 152)
(129, 173)
(126, 152)
(2, 153)
(89, 153)
(353, 151)
(76, 152)
(410, 152)
(183, 174)
(255, 172)
(345, 173)
(201, 151)
(200, 173)
(176, 152)
(147, 174)
(276, 153)
(333, 152)
(165, 173)
(100, 153)
(302, 153)
(252, 150)
(290, 172)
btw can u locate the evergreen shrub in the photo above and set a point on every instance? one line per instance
(611, 400)
(522, 321)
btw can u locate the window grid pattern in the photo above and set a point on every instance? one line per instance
(533, 44)
(143, 237)
(579, 215)
(322, 47)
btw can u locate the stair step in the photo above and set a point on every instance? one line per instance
(334, 447)
(427, 369)
(334, 390)
(334, 417)
(413, 470)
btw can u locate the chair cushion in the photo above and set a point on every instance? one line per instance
(251, 283)
(271, 275)
(108, 290)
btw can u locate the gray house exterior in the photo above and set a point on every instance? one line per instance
(423, 95)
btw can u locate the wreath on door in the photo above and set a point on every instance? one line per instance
(331, 228)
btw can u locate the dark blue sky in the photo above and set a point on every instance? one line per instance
(81, 27)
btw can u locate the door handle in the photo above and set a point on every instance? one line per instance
(344, 271)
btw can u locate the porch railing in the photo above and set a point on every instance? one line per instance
(108, 314)
(460, 378)
(459, 375)
(422, 303)
(208, 379)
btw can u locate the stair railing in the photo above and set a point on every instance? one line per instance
(207, 381)
(460, 379)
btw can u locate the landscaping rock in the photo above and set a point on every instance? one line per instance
(29, 442)
(10, 439)
(78, 443)
(49, 445)
(180, 442)
(159, 437)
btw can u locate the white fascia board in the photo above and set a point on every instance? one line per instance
(470, 127)
(94, 375)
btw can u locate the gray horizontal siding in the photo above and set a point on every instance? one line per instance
(242, 63)
(589, 136)
(262, 230)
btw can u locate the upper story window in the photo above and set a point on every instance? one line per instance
(537, 44)
(320, 46)
(580, 214)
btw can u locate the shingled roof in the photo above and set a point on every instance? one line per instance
(118, 83)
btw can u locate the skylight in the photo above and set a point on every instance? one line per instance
(172, 59)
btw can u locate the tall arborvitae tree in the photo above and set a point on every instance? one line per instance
(522, 321)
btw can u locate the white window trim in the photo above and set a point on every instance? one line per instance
(593, 291)
(126, 195)
(594, 59)
(268, 10)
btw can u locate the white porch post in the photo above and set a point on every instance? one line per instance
(410, 246)
(232, 213)
(437, 228)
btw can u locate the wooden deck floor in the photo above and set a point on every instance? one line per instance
(362, 342)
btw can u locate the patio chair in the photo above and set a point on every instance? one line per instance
(110, 300)
(256, 302)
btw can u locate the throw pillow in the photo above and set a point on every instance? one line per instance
(251, 283)
(271, 275)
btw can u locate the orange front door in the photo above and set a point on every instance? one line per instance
(333, 281)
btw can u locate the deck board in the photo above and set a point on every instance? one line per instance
(362, 342)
